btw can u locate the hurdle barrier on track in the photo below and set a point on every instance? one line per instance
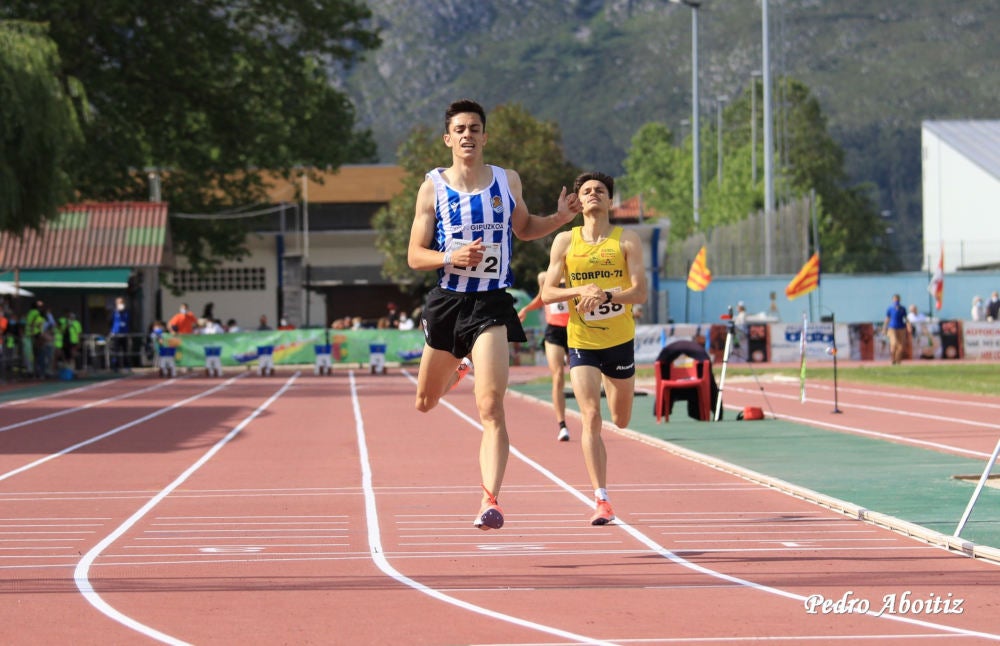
(166, 361)
(376, 358)
(323, 359)
(213, 360)
(265, 359)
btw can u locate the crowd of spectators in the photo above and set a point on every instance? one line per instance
(393, 319)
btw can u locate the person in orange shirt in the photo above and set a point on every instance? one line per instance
(183, 322)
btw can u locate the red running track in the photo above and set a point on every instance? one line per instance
(325, 510)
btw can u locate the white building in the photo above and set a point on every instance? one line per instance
(961, 193)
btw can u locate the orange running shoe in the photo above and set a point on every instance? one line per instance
(462, 370)
(491, 515)
(603, 514)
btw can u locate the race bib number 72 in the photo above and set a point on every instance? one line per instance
(488, 268)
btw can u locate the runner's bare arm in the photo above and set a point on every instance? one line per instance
(532, 227)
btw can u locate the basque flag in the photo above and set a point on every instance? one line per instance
(806, 280)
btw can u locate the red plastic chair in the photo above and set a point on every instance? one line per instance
(685, 376)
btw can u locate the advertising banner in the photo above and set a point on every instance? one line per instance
(981, 340)
(297, 346)
(786, 338)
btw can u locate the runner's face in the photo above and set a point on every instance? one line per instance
(594, 196)
(466, 136)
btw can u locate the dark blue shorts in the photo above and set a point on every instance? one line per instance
(617, 362)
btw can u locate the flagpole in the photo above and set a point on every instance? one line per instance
(930, 297)
(687, 297)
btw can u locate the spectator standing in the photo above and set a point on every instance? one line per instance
(405, 322)
(993, 307)
(34, 324)
(263, 326)
(118, 335)
(392, 316)
(212, 326)
(978, 309)
(896, 326)
(183, 322)
(740, 318)
(72, 335)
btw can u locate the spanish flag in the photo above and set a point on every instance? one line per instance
(699, 276)
(806, 280)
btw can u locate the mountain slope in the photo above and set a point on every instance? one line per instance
(602, 68)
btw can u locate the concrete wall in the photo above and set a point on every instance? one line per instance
(851, 298)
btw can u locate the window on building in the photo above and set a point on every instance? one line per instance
(229, 279)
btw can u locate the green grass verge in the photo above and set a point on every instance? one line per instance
(979, 379)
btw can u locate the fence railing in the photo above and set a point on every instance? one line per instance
(21, 359)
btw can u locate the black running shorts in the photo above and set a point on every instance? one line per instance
(453, 320)
(556, 335)
(617, 362)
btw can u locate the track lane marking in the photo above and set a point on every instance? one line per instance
(380, 559)
(115, 430)
(656, 548)
(68, 411)
(59, 393)
(81, 573)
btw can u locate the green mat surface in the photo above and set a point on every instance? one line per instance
(906, 482)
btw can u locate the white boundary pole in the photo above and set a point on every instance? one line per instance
(979, 489)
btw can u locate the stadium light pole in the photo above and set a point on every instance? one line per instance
(768, 146)
(696, 161)
(753, 125)
(720, 104)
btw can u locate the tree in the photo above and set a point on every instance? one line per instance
(40, 116)
(850, 231)
(516, 140)
(205, 93)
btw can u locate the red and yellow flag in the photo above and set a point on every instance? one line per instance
(806, 280)
(699, 276)
(936, 288)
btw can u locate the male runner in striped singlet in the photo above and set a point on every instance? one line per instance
(465, 217)
(556, 318)
(603, 269)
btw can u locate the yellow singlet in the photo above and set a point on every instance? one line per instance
(603, 264)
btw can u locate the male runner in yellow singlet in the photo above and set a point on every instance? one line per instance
(603, 270)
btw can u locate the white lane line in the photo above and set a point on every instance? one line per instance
(899, 439)
(378, 554)
(115, 430)
(58, 393)
(68, 411)
(950, 401)
(950, 419)
(81, 574)
(679, 560)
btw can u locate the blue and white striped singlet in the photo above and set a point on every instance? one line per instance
(462, 218)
